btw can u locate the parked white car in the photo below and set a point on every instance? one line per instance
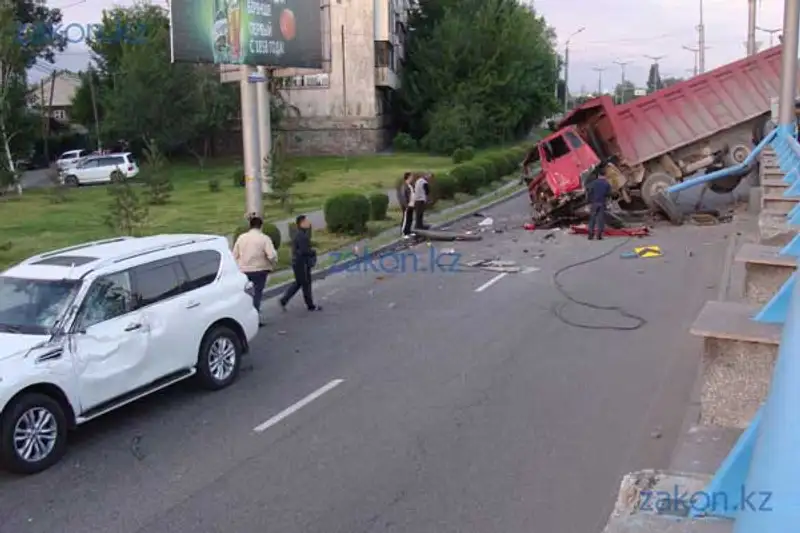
(70, 158)
(88, 329)
(101, 169)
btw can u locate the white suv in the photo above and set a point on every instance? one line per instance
(88, 329)
(101, 169)
(70, 158)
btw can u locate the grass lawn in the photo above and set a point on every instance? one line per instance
(34, 223)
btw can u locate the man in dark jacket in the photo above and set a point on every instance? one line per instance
(408, 197)
(597, 193)
(304, 258)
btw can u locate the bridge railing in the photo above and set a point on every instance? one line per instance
(760, 478)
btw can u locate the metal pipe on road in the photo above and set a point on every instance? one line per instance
(791, 20)
(250, 141)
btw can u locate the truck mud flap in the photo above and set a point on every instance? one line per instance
(668, 206)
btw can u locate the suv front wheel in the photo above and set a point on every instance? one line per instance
(219, 359)
(33, 434)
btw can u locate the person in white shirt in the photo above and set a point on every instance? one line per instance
(256, 256)
(421, 193)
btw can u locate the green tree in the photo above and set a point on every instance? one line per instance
(624, 92)
(477, 72)
(23, 42)
(215, 104)
(654, 79)
(670, 81)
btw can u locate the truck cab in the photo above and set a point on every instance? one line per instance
(565, 159)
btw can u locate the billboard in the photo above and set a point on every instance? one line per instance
(269, 33)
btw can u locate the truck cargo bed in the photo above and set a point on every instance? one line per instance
(652, 125)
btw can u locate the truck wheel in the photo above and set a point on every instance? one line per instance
(668, 207)
(737, 155)
(654, 184)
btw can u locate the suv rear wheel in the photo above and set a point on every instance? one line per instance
(219, 359)
(71, 181)
(33, 434)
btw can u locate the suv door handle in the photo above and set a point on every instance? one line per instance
(192, 305)
(133, 327)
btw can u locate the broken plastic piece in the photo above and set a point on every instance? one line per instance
(488, 221)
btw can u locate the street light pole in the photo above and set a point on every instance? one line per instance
(250, 140)
(695, 51)
(622, 80)
(751, 27)
(599, 71)
(566, 68)
(771, 34)
(656, 59)
(791, 20)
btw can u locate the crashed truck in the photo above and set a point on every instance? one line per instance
(706, 123)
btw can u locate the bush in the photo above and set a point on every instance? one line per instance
(468, 177)
(403, 142)
(490, 171)
(213, 185)
(347, 213)
(445, 187)
(378, 206)
(271, 230)
(300, 175)
(461, 155)
(238, 177)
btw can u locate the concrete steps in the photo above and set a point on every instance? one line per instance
(774, 185)
(765, 271)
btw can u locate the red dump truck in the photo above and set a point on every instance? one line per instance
(702, 124)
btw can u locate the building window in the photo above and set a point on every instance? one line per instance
(59, 114)
(384, 54)
(310, 81)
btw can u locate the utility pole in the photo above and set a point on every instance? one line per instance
(701, 42)
(751, 28)
(566, 68)
(791, 20)
(344, 98)
(264, 128)
(771, 34)
(695, 51)
(250, 140)
(756, 47)
(599, 71)
(94, 110)
(622, 80)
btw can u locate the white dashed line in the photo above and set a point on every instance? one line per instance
(491, 282)
(297, 406)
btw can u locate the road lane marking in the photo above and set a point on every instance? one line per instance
(491, 282)
(297, 406)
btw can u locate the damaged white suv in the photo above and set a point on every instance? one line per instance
(88, 329)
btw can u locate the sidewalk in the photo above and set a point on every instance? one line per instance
(317, 218)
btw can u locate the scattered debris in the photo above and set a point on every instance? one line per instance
(448, 251)
(282, 332)
(529, 270)
(550, 236)
(392, 305)
(433, 235)
(136, 449)
(494, 265)
(656, 433)
(634, 231)
(488, 221)
(529, 226)
(644, 252)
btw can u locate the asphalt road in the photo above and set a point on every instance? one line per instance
(463, 406)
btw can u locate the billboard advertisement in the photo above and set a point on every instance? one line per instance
(268, 33)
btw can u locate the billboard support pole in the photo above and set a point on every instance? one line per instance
(264, 129)
(791, 16)
(250, 141)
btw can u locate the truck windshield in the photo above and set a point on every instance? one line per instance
(33, 307)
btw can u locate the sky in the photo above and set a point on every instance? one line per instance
(616, 30)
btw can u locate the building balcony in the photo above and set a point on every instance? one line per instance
(386, 77)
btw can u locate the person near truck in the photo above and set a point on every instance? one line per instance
(421, 194)
(597, 193)
(304, 258)
(408, 198)
(255, 254)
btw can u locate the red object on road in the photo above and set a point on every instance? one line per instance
(529, 226)
(637, 231)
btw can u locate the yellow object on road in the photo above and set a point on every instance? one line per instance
(648, 251)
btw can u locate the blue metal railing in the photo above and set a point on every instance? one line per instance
(760, 478)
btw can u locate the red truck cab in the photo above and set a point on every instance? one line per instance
(565, 158)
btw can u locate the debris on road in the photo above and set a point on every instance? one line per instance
(634, 231)
(643, 252)
(494, 265)
(488, 221)
(441, 235)
(529, 226)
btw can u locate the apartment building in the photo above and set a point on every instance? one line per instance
(345, 106)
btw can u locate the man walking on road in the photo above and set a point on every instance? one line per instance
(421, 192)
(597, 192)
(256, 256)
(304, 258)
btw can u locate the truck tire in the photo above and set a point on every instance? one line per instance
(668, 207)
(653, 185)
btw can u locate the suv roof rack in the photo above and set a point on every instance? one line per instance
(62, 251)
(151, 250)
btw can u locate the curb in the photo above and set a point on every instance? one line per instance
(337, 268)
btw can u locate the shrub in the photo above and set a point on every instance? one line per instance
(157, 179)
(300, 175)
(490, 172)
(501, 163)
(461, 155)
(127, 214)
(238, 177)
(403, 142)
(469, 177)
(461, 198)
(213, 185)
(378, 206)
(347, 213)
(445, 187)
(271, 230)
